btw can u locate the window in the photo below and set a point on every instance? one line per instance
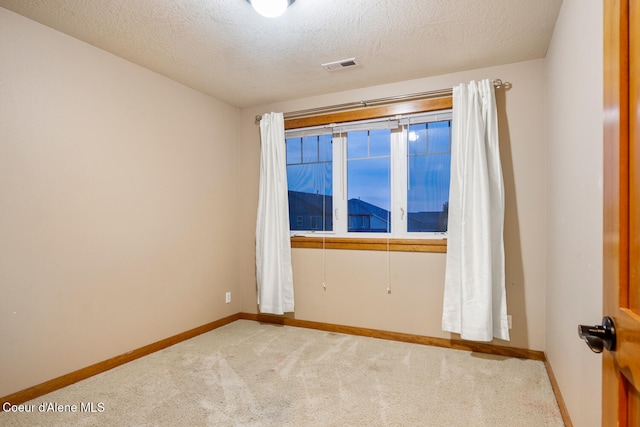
(310, 181)
(429, 167)
(372, 178)
(369, 181)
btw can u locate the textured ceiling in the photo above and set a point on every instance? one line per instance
(225, 49)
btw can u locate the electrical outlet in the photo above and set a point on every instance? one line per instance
(227, 297)
(510, 320)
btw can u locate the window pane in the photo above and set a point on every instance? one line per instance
(358, 146)
(294, 150)
(418, 139)
(310, 149)
(368, 185)
(379, 142)
(439, 137)
(428, 182)
(326, 148)
(310, 184)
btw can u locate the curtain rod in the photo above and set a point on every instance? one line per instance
(372, 102)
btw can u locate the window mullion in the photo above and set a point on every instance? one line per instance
(399, 183)
(340, 216)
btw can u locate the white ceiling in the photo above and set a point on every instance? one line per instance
(225, 49)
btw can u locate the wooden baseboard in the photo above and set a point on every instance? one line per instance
(556, 391)
(397, 336)
(84, 373)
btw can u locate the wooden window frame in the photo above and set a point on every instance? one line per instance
(371, 244)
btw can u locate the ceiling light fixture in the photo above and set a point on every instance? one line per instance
(270, 8)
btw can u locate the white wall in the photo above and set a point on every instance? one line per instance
(115, 187)
(574, 214)
(356, 280)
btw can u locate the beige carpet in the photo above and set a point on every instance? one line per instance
(252, 374)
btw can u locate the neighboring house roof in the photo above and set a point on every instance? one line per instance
(300, 203)
(359, 207)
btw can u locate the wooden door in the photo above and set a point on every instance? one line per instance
(621, 367)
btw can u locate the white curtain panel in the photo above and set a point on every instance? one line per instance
(475, 303)
(273, 245)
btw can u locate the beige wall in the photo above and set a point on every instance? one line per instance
(117, 189)
(356, 280)
(574, 214)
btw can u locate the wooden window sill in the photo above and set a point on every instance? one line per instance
(371, 244)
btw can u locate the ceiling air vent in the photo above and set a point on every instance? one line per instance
(340, 65)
